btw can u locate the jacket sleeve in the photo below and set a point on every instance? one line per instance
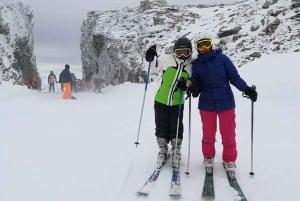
(69, 77)
(195, 88)
(233, 75)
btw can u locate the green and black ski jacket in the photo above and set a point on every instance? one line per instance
(168, 92)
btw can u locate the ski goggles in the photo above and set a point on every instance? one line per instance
(204, 43)
(182, 52)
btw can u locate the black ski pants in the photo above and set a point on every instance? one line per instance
(166, 118)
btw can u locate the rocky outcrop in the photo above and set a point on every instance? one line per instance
(115, 41)
(223, 32)
(17, 61)
(270, 28)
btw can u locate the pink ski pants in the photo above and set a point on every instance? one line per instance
(227, 130)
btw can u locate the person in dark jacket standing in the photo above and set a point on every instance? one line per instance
(66, 79)
(169, 99)
(212, 73)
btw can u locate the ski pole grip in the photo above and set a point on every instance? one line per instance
(252, 87)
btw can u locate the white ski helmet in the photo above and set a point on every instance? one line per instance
(203, 35)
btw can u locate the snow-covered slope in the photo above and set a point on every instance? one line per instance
(64, 150)
(115, 41)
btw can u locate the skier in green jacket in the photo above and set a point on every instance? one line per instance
(169, 99)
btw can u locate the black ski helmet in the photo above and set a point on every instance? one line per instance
(182, 43)
(67, 66)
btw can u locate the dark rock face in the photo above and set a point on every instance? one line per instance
(17, 62)
(228, 32)
(270, 28)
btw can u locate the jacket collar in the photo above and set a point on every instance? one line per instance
(182, 62)
(210, 55)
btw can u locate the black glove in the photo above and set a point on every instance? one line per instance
(194, 90)
(181, 84)
(251, 93)
(151, 53)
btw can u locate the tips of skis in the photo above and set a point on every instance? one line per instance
(145, 189)
(175, 189)
(233, 182)
(208, 192)
(148, 185)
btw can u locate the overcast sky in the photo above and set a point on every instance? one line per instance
(57, 26)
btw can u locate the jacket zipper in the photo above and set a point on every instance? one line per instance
(173, 87)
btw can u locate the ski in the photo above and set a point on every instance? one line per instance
(208, 192)
(175, 189)
(145, 189)
(233, 182)
(147, 186)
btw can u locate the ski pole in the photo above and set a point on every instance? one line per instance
(143, 103)
(252, 119)
(178, 119)
(189, 146)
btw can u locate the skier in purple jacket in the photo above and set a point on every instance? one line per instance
(212, 74)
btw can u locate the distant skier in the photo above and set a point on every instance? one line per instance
(73, 82)
(212, 73)
(51, 81)
(169, 99)
(66, 79)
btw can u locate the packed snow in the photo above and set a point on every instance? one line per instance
(83, 150)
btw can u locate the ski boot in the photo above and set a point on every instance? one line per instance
(176, 153)
(163, 151)
(208, 164)
(230, 168)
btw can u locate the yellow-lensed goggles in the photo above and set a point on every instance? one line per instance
(182, 52)
(204, 43)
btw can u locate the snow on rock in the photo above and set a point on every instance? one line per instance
(115, 41)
